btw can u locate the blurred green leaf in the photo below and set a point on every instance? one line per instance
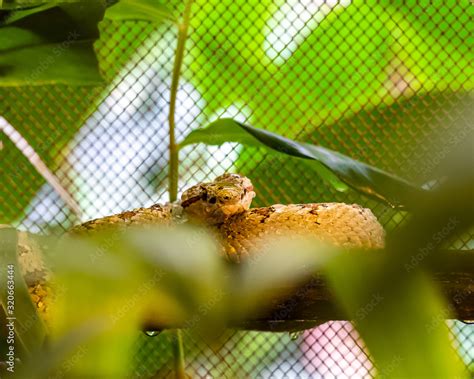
(63, 356)
(438, 218)
(364, 178)
(400, 318)
(195, 276)
(29, 328)
(123, 281)
(144, 10)
(51, 44)
(109, 289)
(395, 300)
(256, 283)
(107, 268)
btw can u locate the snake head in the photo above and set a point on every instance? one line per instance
(214, 202)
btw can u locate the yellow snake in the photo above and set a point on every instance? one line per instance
(223, 205)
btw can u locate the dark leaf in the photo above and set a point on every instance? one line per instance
(50, 44)
(145, 10)
(362, 177)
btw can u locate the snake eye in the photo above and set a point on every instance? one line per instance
(226, 197)
(213, 200)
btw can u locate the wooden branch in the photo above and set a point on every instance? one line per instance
(313, 302)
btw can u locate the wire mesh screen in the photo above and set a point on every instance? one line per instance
(363, 78)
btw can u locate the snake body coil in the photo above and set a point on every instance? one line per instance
(223, 205)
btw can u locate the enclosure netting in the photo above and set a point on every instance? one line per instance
(373, 80)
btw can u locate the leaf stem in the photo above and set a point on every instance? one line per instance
(178, 354)
(173, 174)
(178, 61)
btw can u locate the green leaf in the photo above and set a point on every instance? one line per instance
(144, 10)
(50, 44)
(106, 289)
(397, 308)
(26, 4)
(423, 125)
(62, 354)
(227, 132)
(362, 177)
(180, 282)
(400, 318)
(219, 132)
(256, 288)
(19, 4)
(29, 328)
(12, 16)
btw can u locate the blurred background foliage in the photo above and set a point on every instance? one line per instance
(328, 63)
(384, 82)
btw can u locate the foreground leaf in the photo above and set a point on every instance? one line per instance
(64, 354)
(369, 180)
(119, 282)
(257, 285)
(400, 318)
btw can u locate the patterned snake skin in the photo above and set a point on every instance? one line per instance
(223, 206)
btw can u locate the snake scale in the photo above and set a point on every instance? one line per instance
(223, 206)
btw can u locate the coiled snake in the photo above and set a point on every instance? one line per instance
(224, 206)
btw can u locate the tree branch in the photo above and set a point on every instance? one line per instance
(313, 303)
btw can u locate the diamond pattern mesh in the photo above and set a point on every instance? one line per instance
(373, 80)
